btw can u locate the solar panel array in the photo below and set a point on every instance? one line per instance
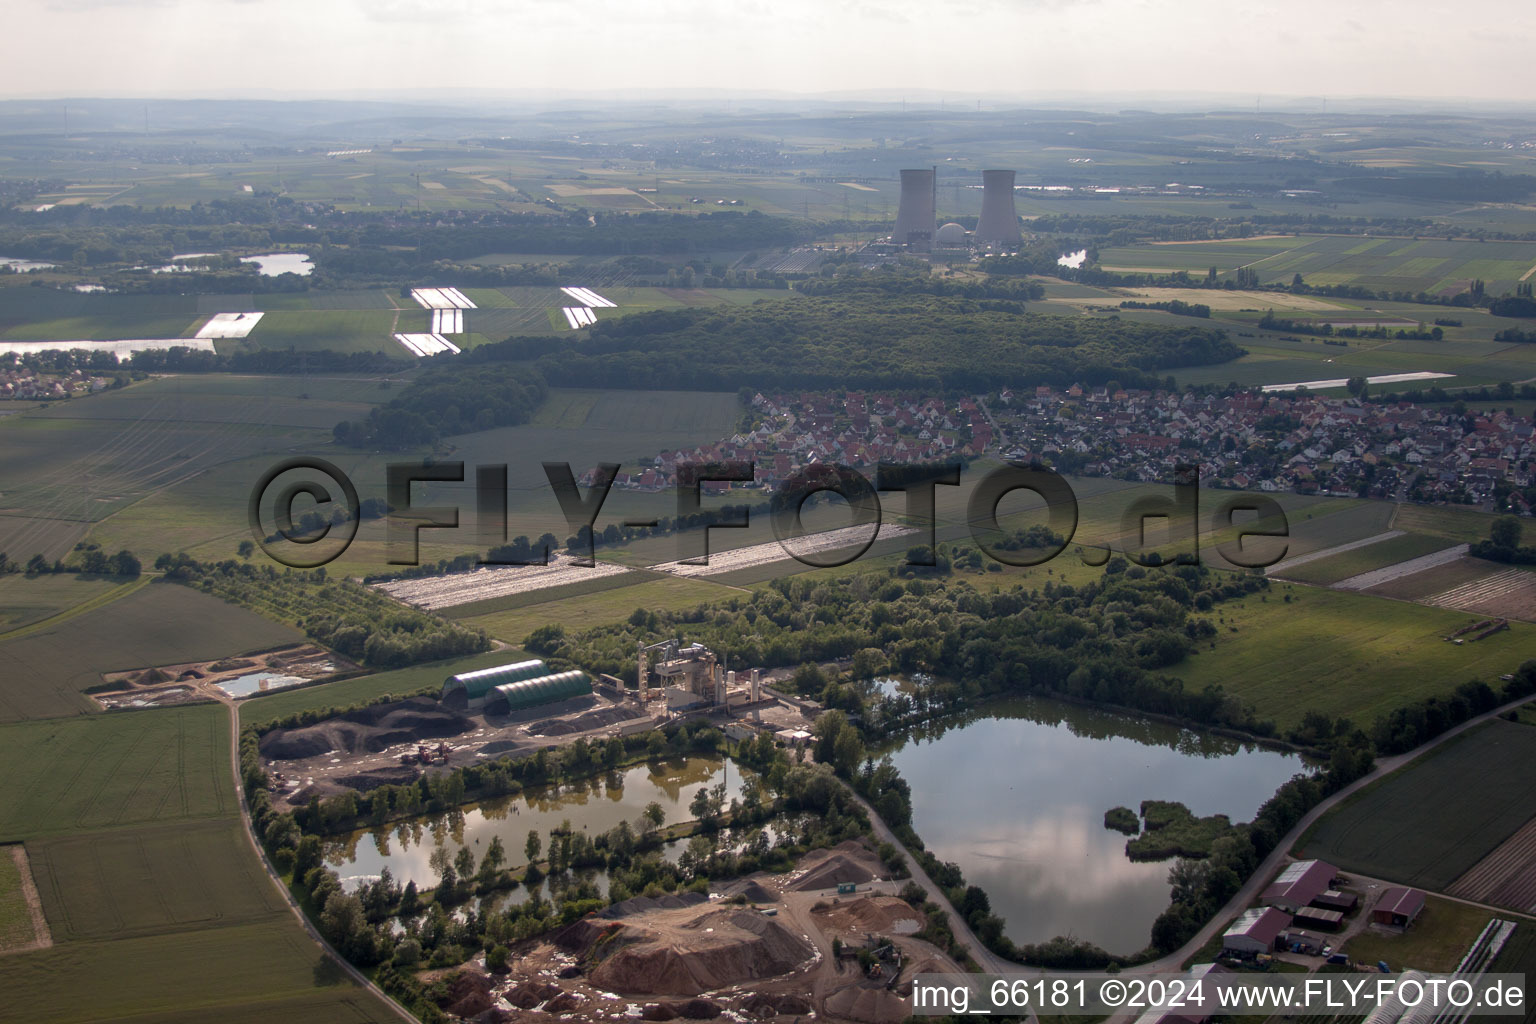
(426, 344)
(441, 298)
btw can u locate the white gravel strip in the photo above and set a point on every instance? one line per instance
(773, 551)
(1377, 577)
(495, 581)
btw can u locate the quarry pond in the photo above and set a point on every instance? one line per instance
(1016, 794)
(592, 805)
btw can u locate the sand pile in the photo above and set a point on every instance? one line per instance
(669, 953)
(367, 782)
(531, 993)
(469, 994)
(370, 730)
(641, 904)
(869, 1004)
(760, 1004)
(848, 861)
(880, 915)
(751, 889)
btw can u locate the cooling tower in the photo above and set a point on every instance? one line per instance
(915, 217)
(999, 222)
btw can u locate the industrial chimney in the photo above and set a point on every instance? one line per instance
(999, 221)
(915, 216)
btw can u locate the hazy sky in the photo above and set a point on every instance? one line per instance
(1013, 48)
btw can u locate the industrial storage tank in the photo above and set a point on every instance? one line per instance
(546, 689)
(459, 690)
(915, 215)
(999, 218)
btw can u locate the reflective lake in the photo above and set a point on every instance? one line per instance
(1017, 798)
(277, 263)
(24, 266)
(593, 805)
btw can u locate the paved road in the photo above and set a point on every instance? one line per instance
(989, 962)
(993, 964)
(250, 835)
(1260, 878)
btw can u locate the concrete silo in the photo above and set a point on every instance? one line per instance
(999, 221)
(915, 216)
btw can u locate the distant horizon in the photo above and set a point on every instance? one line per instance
(879, 101)
(1009, 50)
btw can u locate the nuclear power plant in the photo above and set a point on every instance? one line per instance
(999, 223)
(915, 217)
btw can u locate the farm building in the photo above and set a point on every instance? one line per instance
(1333, 899)
(1398, 907)
(1319, 917)
(468, 687)
(529, 693)
(1189, 1014)
(1255, 931)
(1299, 884)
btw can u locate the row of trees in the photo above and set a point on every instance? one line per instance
(863, 340)
(350, 619)
(452, 399)
(86, 559)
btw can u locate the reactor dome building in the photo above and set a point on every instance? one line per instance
(950, 236)
(999, 223)
(915, 216)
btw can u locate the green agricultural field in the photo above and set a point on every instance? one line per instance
(1455, 524)
(71, 776)
(1427, 824)
(185, 978)
(162, 880)
(105, 328)
(1436, 266)
(350, 330)
(1345, 654)
(46, 670)
(1327, 571)
(24, 602)
(611, 605)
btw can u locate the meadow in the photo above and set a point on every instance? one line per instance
(1439, 939)
(1345, 654)
(1427, 824)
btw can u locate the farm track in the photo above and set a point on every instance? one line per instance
(1507, 876)
(250, 837)
(42, 938)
